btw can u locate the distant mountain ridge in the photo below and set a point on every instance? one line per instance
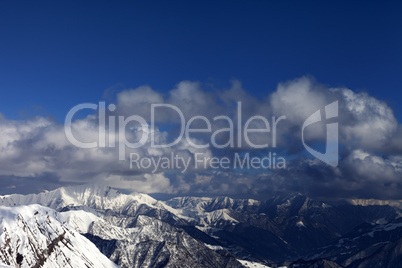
(374, 202)
(137, 230)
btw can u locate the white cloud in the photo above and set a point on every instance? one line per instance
(369, 133)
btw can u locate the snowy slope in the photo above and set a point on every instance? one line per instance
(132, 230)
(200, 211)
(36, 236)
(372, 202)
(250, 264)
(151, 243)
(212, 212)
(95, 196)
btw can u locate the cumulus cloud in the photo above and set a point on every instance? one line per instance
(37, 150)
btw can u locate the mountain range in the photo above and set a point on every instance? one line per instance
(97, 226)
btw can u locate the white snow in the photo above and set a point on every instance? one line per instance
(251, 264)
(55, 243)
(300, 224)
(195, 208)
(91, 195)
(213, 247)
(80, 220)
(375, 202)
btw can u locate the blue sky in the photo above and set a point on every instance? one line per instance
(56, 54)
(276, 57)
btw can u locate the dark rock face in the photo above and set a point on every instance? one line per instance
(107, 247)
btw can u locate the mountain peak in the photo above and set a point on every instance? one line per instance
(56, 244)
(95, 195)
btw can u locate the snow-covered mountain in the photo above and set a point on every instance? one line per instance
(93, 195)
(373, 202)
(35, 236)
(150, 243)
(131, 230)
(136, 230)
(98, 197)
(281, 228)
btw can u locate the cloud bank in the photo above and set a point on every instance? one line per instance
(36, 155)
